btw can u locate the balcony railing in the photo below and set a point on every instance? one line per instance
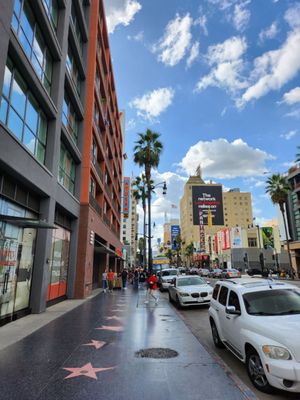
(99, 172)
(94, 203)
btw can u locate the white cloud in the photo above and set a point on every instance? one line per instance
(193, 54)
(294, 114)
(289, 135)
(292, 16)
(223, 4)
(226, 59)
(221, 159)
(130, 125)
(202, 22)
(292, 97)
(152, 104)
(241, 16)
(269, 33)
(176, 41)
(139, 37)
(120, 12)
(274, 69)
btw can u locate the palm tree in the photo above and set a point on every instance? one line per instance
(178, 242)
(278, 188)
(298, 155)
(169, 254)
(147, 153)
(189, 251)
(140, 193)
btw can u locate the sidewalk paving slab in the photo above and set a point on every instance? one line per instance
(60, 360)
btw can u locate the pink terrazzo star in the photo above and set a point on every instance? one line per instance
(111, 328)
(115, 318)
(96, 343)
(86, 370)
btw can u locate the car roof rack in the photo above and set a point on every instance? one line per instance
(227, 280)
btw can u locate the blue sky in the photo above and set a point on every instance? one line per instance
(219, 79)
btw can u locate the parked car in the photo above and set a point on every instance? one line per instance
(203, 271)
(194, 271)
(230, 273)
(215, 273)
(190, 290)
(257, 320)
(166, 277)
(256, 271)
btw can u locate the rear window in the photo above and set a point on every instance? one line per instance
(223, 295)
(215, 292)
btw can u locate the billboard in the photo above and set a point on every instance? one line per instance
(126, 196)
(236, 238)
(268, 237)
(175, 230)
(226, 239)
(207, 198)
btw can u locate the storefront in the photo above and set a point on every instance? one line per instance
(17, 247)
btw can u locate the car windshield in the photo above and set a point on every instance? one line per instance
(169, 272)
(273, 302)
(191, 280)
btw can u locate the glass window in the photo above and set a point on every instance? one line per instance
(67, 167)
(73, 70)
(31, 39)
(20, 112)
(223, 295)
(69, 118)
(234, 300)
(94, 152)
(52, 11)
(92, 187)
(216, 292)
(76, 27)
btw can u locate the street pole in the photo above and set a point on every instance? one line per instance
(149, 229)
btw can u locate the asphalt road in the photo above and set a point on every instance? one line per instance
(196, 318)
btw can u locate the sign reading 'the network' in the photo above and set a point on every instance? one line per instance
(208, 198)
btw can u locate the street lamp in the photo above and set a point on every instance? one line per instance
(150, 188)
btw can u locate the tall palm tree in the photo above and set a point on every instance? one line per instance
(140, 193)
(178, 242)
(298, 155)
(278, 188)
(147, 153)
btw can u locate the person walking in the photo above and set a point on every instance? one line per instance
(124, 276)
(104, 281)
(110, 280)
(152, 286)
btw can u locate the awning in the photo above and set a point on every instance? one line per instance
(26, 222)
(103, 249)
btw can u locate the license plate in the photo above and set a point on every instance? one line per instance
(200, 299)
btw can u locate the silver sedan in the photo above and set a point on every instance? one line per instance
(190, 290)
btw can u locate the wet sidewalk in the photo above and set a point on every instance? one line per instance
(89, 353)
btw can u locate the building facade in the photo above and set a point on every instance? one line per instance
(129, 231)
(228, 209)
(99, 245)
(44, 48)
(293, 216)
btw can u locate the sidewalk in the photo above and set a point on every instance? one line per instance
(89, 353)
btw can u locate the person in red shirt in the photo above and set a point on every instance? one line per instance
(110, 280)
(152, 286)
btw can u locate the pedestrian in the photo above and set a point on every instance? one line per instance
(136, 279)
(104, 281)
(124, 276)
(142, 278)
(152, 286)
(110, 280)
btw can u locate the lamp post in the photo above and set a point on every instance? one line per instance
(150, 188)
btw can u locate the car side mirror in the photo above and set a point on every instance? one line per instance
(232, 310)
(208, 282)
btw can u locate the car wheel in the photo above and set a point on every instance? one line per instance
(178, 305)
(215, 335)
(170, 298)
(256, 372)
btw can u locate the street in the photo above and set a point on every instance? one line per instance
(196, 318)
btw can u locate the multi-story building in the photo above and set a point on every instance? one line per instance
(293, 216)
(44, 47)
(99, 245)
(129, 231)
(228, 209)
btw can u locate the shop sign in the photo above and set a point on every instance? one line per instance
(126, 196)
(201, 231)
(226, 239)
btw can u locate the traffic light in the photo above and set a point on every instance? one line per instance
(261, 260)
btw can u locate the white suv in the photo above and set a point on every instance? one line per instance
(259, 321)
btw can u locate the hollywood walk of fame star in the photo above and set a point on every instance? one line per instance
(86, 370)
(111, 328)
(115, 318)
(96, 343)
(117, 310)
